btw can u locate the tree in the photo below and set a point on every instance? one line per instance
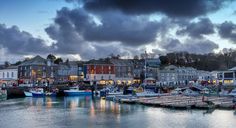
(7, 64)
(67, 61)
(51, 57)
(136, 57)
(18, 63)
(164, 60)
(58, 61)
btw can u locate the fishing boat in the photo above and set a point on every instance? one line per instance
(74, 91)
(39, 92)
(3, 94)
(233, 93)
(147, 93)
(28, 93)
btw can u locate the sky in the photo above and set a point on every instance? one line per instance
(91, 29)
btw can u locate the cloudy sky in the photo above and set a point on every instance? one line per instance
(86, 29)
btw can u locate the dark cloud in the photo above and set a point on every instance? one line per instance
(76, 31)
(197, 29)
(132, 31)
(20, 42)
(173, 8)
(201, 46)
(227, 30)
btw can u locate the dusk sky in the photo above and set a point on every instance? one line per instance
(86, 29)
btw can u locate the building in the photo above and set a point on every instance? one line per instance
(168, 75)
(9, 75)
(70, 71)
(152, 66)
(172, 75)
(37, 71)
(227, 77)
(138, 71)
(123, 71)
(101, 72)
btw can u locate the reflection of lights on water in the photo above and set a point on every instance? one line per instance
(48, 102)
(92, 111)
(103, 105)
(74, 104)
(71, 102)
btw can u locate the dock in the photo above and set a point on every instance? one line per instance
(181, 102)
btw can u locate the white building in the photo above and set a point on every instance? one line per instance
(9, 75)
(172, 75)
(227, 77)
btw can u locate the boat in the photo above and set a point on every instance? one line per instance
(176, 91)
(110, 91)
(28, 93)
(205, 91)
(189, 92)
(74, 91)
(39, 92)
(147, 94)
(3, 94)
(233, 93)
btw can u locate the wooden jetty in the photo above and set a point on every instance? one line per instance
(183, 102)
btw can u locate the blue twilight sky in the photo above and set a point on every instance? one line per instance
(71, 28)
(30, 15)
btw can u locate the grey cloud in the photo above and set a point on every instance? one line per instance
(20, 42)
(133, 31)
(201, 46)
(173, 8)
(227, 30)
(197, 29)
(75, 31)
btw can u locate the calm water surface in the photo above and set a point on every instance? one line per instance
(87, 112)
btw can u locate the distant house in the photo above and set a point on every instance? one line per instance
(138, 71)
(9, 75)
(227, 77)
(100, 71)
(172, 75)
(123, 71)
(37, 71)
(70, 71)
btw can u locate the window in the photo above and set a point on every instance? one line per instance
(94, 77)
(3, 74)
(12, 74)
(102, 77)
(44, 74)
(7, 74)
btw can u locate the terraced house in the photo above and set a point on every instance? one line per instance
(37, 71)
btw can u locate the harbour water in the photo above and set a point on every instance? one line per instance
(83, 112)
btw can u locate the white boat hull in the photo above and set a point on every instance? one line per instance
(28, 94)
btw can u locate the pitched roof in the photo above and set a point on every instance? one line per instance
(37, 60)
(233, 69)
